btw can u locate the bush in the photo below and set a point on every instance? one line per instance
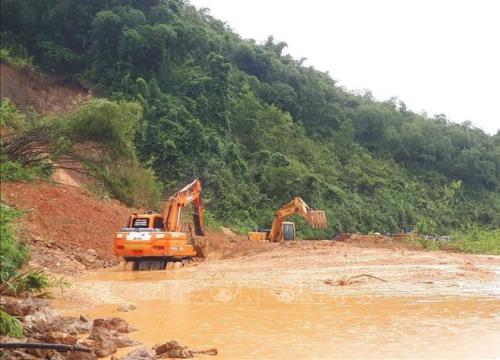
(10, 116)
(477, 240)
(131, 183)
(111, 123)
(18, 58)
(10, 326)
(13, 254)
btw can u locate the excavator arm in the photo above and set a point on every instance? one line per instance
(191, 193)
(316, 218)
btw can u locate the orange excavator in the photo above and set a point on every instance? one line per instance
(154, 241)
(284, 230)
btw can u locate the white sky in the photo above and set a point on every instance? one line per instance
(441, 56)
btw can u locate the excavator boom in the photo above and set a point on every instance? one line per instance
(191, 193)
(316, 218)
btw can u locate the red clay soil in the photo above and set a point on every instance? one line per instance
(61, 220)
(65, 217)
(47, 95)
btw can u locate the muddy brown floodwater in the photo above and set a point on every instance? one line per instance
(277, 305)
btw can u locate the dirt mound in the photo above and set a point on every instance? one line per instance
(47, 95)
(66, 219)
(225, 245)
(374, 241)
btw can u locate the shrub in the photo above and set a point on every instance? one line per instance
(10, 326)
(13, 254)
(130, 182)
(111, 123)
(10, 116)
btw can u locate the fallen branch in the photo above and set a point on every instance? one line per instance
(348, 281)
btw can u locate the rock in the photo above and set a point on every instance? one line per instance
(83, 318)
(107, 341)
(103, 342)
(45, 354)
(79, 355)
(22, 307)
(173, 350)
(41, 320)
(86, 342)
(92, 252)
(113, 323)
(58, 337)
(73, 325)
(17, 354)
(126, 307)
(139, 354)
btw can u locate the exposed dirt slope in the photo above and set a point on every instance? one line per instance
(67, 226)
(70, 219)
(45, 94)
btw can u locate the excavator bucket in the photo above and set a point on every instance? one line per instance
(317, 218)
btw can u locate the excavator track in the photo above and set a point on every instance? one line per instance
(154, 264)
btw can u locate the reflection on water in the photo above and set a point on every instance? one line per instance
(249, 323)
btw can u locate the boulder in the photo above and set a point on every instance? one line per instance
(22, 307)
(17, 354)
(113, 323)
(79, 355)
(46, 354)
(41, 320)
(173, 350)
(58, 337)
(73, 325)
(86, 342)
(107, 341)
(103, 342)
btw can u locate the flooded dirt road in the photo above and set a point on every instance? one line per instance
(287, 303)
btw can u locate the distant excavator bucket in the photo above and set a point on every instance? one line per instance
(317, 218)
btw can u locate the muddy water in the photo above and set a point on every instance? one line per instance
(251, 323)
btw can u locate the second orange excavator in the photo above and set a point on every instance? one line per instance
(154, 241)
(284, 230)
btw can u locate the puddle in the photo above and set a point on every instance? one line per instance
(252, 323)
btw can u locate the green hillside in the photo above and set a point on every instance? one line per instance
(257, 126)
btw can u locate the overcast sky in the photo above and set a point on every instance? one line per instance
(438, 56)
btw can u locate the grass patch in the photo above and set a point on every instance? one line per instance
(475, 240)
(18, 58)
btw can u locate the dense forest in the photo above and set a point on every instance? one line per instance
(254, 124)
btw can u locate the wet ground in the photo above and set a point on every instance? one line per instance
(288, 303)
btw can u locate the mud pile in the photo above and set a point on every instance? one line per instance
(227, 245)
(66, 225)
